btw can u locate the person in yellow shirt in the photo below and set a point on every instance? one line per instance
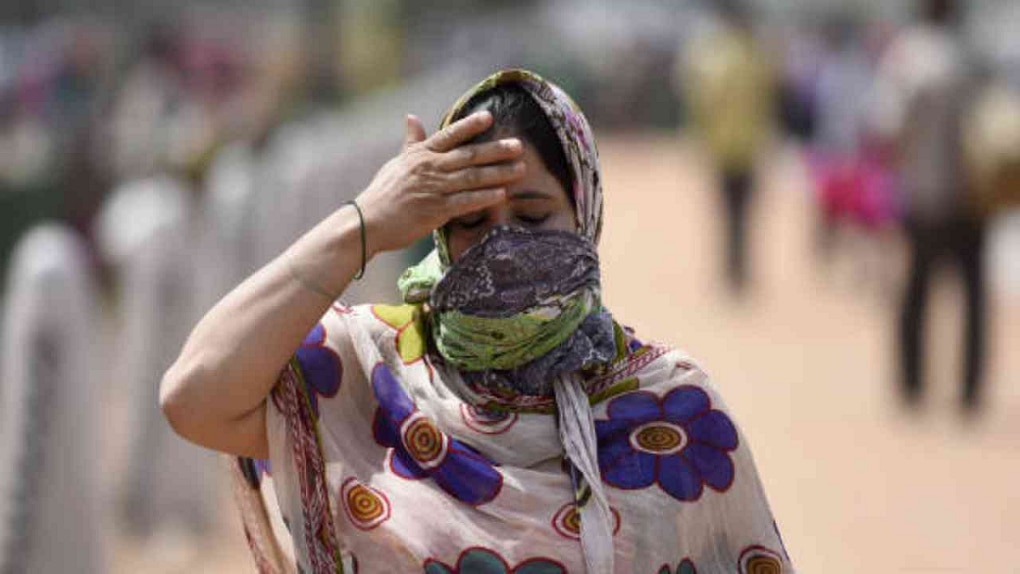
(729, 92)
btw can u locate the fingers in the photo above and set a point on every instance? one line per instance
(466, 202)
(415, 131)
(459, 132)
(480, 154)
(484, 176)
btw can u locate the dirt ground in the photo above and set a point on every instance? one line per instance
(807, 364)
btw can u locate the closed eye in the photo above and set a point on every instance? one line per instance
(533, 219)
(470, 221)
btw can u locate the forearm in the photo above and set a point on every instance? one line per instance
(234, 355)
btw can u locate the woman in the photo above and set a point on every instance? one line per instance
(500, 420)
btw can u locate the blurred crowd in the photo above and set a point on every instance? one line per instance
(909, 129)
(147, 168)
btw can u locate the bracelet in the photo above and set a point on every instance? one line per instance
(364, 248)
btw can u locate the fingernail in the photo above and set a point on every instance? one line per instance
(512, 143)
(484, 114)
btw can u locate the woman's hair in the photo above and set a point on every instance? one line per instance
(515, 113)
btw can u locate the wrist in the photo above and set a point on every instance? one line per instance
(362, 237)
(349, 233)
(374, 227)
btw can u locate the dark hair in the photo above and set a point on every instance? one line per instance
(515, 113)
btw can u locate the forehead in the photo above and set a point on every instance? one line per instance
(537, 175)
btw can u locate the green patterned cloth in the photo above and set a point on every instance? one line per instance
(474, 343)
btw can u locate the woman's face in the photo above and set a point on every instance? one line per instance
(537, 201)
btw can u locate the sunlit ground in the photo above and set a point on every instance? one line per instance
(806, 363)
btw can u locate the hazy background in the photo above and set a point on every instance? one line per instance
(182, 145)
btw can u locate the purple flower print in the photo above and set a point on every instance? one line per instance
(420, 449)
(678, 442)
(321, 367)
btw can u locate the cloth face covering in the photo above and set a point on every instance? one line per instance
(522, 307)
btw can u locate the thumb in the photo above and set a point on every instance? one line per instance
(415, 131)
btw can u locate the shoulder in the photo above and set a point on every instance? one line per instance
(647, 367)
(402, 326)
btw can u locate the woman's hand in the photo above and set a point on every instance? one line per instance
(435, 179)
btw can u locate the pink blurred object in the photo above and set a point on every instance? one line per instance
(857, 189)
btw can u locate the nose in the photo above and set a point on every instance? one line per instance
(494, 216)
(499, 215)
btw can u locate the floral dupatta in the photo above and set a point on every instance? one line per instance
(383, 460)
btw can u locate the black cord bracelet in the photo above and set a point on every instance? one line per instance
(364, 248)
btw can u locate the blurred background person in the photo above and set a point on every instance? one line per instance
(729, 93)
(855, 192)
(924, 84)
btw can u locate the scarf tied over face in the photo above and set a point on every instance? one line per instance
(521, 310)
